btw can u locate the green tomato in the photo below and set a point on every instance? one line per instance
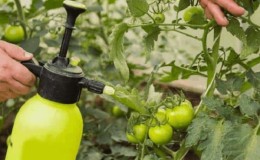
(192, 12)
(161, 115)
(117, 112)
(180, 116)
(138, 135)
(159, 17)
(14, 34)
(161, 134)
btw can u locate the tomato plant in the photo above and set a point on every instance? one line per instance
(131, 46)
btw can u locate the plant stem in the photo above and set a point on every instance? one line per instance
(248, 20)
(21, 16)
(169, 151)
(184, 33)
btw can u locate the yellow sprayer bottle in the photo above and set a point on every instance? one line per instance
(49, 125)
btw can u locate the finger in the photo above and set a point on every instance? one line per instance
(204, 3)
(217, 13)
(11, 69)
(21, 74)
(231, 7)
(15, 51)
(18, 88)
(208, 14)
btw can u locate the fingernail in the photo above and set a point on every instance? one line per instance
(27, 54)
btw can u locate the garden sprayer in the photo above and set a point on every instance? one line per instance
(49, 125)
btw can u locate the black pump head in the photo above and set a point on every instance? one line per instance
(60, 81)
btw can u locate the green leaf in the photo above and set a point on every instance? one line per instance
(53, 4)
(248, 106)
(232, 59)
(31, 45)
(242, 143)
(178, 72)
(183, 4)
(123, 150)
(249, 5)
(232, 84)
(213, 146)
(252, 42)
(129, 99)
(97, 113)
(35, 5)
(138, 7)
(254, 79)
(236, 30)
(4, 17)
(219, 108)
(196, 130)
(117, 50)
(150, 38)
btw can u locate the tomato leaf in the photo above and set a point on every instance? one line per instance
(31, 45)
(138, 7)
(233, 83)
(131, 99)
(236, 30)
(196, 130)
(212, 146)
(183, 4)
(150, 38)
(177, 72)
(35, 5)
(254, 79)
(252, 42)
(117, 49)
(52, 4)
(123, 150)
(248, 106)
(242, 143)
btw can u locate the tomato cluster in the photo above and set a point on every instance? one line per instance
(160, 128)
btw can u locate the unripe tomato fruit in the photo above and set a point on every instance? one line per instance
(180, 116)
(191, 12)
(161, 134)
(14, 34)
(161, 115)
(138, 135)
(117, 112)
(159, 17)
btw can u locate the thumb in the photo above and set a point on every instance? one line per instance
(15, 51)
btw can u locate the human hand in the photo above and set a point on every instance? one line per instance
(15, 79)
(213, 10)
